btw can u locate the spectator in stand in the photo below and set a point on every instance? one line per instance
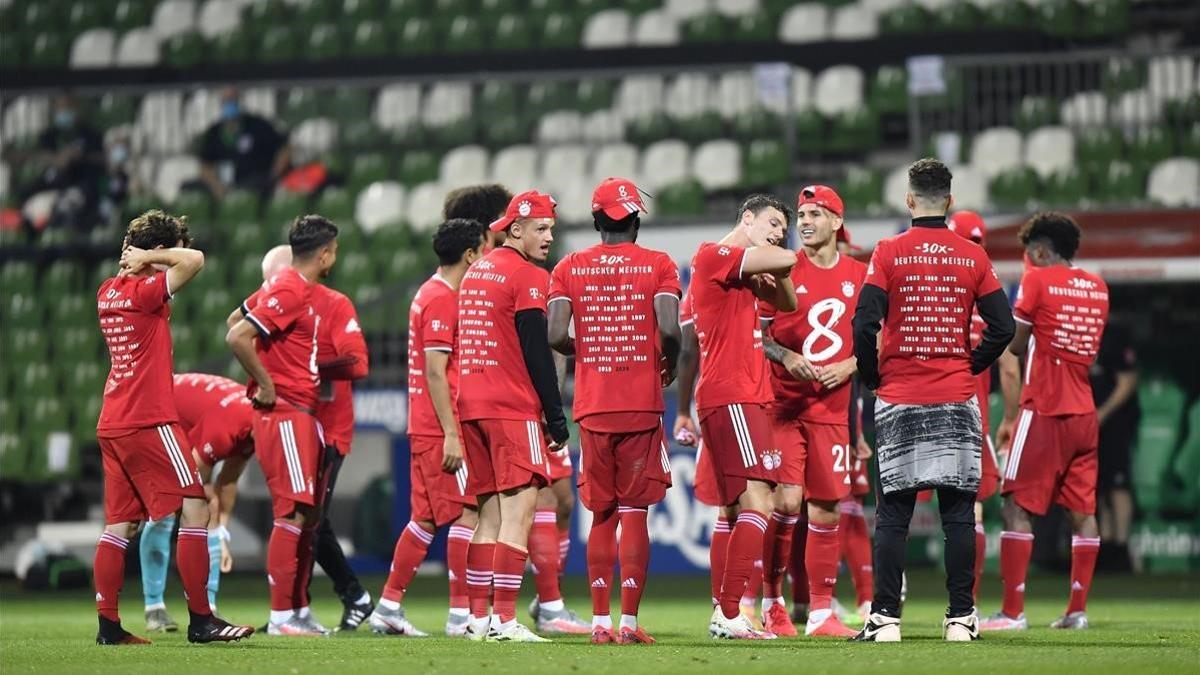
(242, 150)
(1114, 388)
(118, 180)
(70, 153)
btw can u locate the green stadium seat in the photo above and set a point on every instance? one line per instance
(417, 37)
(350, 235)
(37, 381)
(757, 27)
(43, 418)
(299, 104)
(1098, 147)
(279, 45)
(562, 31)
(14, 456)
(544, 7)
(1104, 18)
(404, 9)
(264, 13)
(402, 267)
(1119, 182)
(638, 7)
(685, 198)
(24, 344)
(1122, 75)
(889, 93)
(131, 14)
(237, 46)
(505, 131)
(239, 206)
(905, 19)
(285, 206)
(12, 51)
(113, 109)
(854, 131)
(247, 276)
(366, 169)
(1150, 146)
(1058, 17)
(197, 205)
(709, 28)
(646, 130)
(490, 11)
(78, 343)
(418, 166)
(810, 128)
(1189, 141)
(1187, 463)
(324, 43)
(498, 97)
(86, 415)
(370, 39)
(464, 35)
(48, 50)
(250, 237)
(757, 123)
(594, 94)
(85, 378)
(1034, 112)
(766, 164)
(313, 12)
(337, 205)
(355, 11)
(18, 276)
(61, 276)
(1162, 404)
(73, 309)
(360, 134)
(509, 34)
(1014, 188)
(184, 51)
(85, 15)
(446, 11)
(1065, 188)
(549, 95)
(1007, 15)
(42, 16)
(958, 17)
(706, 126)
(862, 189)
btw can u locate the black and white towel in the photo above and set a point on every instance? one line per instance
(928, 446)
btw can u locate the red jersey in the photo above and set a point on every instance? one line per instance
(215, 414)
(134, 316)
(1067, 308)
(618, 357)
(282, 311)
(821, 331)
(339, 335)
(685, 310)
(932, 278)
(432, 326)
(493, 382)
(733, 367)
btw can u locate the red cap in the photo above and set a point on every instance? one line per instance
(821, 195)
(968, 225)
(617, 198)
(531, 204)
(843, 235)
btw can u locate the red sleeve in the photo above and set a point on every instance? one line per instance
(766, 310)
(531, 284)
(1028, 297)
(348, 339)
(879, 270)
(558, 280)
(251, 302)
(668, 278)
(719, 262)
(277, 309)
(151, 293)
(988, 281)
(441, 323)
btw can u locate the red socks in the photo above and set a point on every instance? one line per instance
(457, 541)
(797, 569)
(543, 551)
(480, 559)
(777, 552)
(718, 549)
(745, 552)
(635, 557)
(282, 564)
(601, 557)
(1015, 549)
(856, 549)
(564, 548)
(191, 559)
(406, 558)
(108, 574)
(1083, 565)
(821, 558)
(510, 567)
(980, 557)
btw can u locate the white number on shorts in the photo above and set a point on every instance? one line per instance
(841, 458)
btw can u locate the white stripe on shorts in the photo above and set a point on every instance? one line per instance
(742, 431)
(175, 456)
(291, 455)
(1018, 444)
(535, 443)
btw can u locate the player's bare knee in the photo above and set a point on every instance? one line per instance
(789, 499)
(469, 518)
(195, 513)
(1084, 524)
(823, 512)
(127, 530)
(1016, 519)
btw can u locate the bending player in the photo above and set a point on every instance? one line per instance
(1061, 311)
(283, 388)
(146, 473)
(438, 474)
(216, 417)
(625, 301)
(812, 361)
(507, 391)
(734, 389)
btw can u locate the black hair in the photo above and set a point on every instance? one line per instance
(929, 179)
(309, 234)
(455, 237)
(485, 202)
(604, 223)
(156, 228)
(1058, 230)
(757, 202)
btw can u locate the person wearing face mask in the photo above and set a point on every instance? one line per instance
(117, 182)
(242, 150)
(71, 154)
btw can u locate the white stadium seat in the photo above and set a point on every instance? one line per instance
(607, 29)
(1049, 150)
(574, 200)
(838, 89)
(464, 165)
(736, 8)
(39, 206)
(603, 126)
(1085, 109)
(895, 186)
(1136, 109)
(5, 179)
(881, 6)
(378, 205)
(718, 165)
(736, 94)
(173, 17)
(1175, 182)
(686, 9)
(25, 117)
(560, 165)
(560, 126)
(854, 22)
(969, 187)
(804, 23)
(138, 48)
(639, 96)
(160, 122)
(173, 172)
(259, 100)
(996, 150)
(203, 108)
(398, 106)
(1172, 77)
(446, 103)
(619, 160)
(93, 49)
(315, 137)
(424, 207)
(656, 28)
(515, 165)
(219, 17)
(664, 163)
(689, 95)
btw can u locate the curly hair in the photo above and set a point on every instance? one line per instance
(1058, 230)
(929, 179)
(156, 228)
(455, 237)
(483, 203)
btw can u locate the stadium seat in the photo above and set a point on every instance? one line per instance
(93, 49)
(236, 46)
(131, 14)
(561, 31)
(324, 43)
(1085, 109)
(38, 207)
(854, 22)
(17, 276)
(239, 206)
(74, 308)
(279, 44)
(137, 49)
(1172, 78)
(575, 200)
(1058, 17)
(804, 23)
(717, 165)
(284, 207)
(905, 18)
(509, 34)
(25, 117)
(1104, 18)
(336, 204)
(603, 126)
(1095, 148)
(862, 190)
(838, 89)
(48, 50)
(854, 131)
(560, 166)
(1034, 112)
(464, 35)
(685, 198)
(664, 163)
(515, 165)
(607, 29)
(736, 94)
(418, 166)
(1175, 182)
(14, 454)
(446, 104)
(639, 96)
(184, 50)
(686, 9)
(398, 106)
(548, 95)
(424, 210)
(1149, 145)
(218, 17)
(1120, 182)
(84, 16)
(173, 173)
(1162, 403)
(889, 93)
(970, 188)
(996, 150)
(688, 96)
(200, 110)
(735, 8)
(466, 165)
(1065, 187)
(369, 39)
(560, 126)
(173, 17)
(380, 204)
(314, 138)
(1186, 466)
(25, 344)
(895, 187)
(656, 28)
(1137, 108)
(1014, 187)
(1049, 150)
(22, 310)
(707, 28)
(614, 160)
(160, 122)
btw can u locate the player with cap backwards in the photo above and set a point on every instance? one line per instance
(812, 361)
(147, 474)
(728, 278)
(508, 399)
(625, 304)
(1061, 312)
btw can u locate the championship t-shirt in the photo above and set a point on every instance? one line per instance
(340, 335)
(282, 311)
(215, 414)
(733, 367)
(432, 326)
(1067, 308)
(134, 319)
(821, 331)
(493, 380)
(611, 289)
(932, 278)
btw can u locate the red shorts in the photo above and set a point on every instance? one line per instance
(705, 485)
(560, 465)
(989, 478)
(504, 454)
(741, 446)
(437, 496)
(623, 469)
(288, 444)
(147, 473)
(1061, 463)
(815, 456)
(860, 479)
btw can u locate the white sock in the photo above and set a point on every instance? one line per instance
(767, 603)
(748, 601)
(366, 597)
(602, 621)
(502, 626)
(304, 612)
(629, 621)
(212, 608)
(454, 611)
(158, 605)
(553, 605)
(388, 604)
(279, 616)
(818, 615)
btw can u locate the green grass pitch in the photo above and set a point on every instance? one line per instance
(1140, 624)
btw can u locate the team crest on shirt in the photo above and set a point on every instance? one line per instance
(525, 208)
(772, 459)
(848, 289)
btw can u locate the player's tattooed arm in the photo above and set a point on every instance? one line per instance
(559, 326)
(796, 365)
